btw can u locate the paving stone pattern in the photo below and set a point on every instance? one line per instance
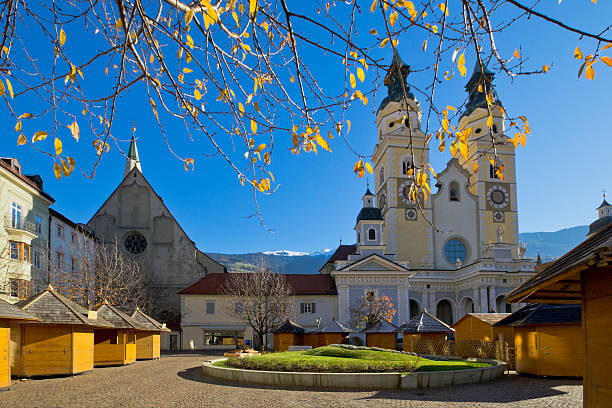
(176, 381)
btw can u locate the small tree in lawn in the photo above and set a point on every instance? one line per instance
(371, 310)
(263, 300)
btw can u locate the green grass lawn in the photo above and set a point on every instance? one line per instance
(336, 359)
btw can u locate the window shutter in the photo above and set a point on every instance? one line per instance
(314, 309)
(302, 308)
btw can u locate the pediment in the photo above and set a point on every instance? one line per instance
(374, 263)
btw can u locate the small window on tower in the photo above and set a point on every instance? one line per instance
(391, 124)
(406, 166)
(492, 172)
(382, 175)
(372, 234)
(454, 191)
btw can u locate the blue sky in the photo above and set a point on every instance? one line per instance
(561, 171)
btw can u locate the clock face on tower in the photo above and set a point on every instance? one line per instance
(404, 192)
(497, 197)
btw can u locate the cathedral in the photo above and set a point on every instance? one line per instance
(137, 216)
(454, 253)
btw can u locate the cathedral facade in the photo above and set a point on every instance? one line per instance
(137, 217)
(455, 252)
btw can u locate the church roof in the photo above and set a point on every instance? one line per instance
(370, 214)
(341, 254)
(8, 311)
(476, 98)
(424, 322)
(289, 327)
(133, 152)
(395, 80)
(302, 284)
(381, 327)
(333, 326)
(543, 313)
(599, 224)
(368, 192)
(604, 203)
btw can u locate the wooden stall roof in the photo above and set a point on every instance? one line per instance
(117, 318)
(52, 308)
(8, 311)
(381, 327)
(289, 327)
(489, 318)
(424, 322)
(559, 282)
(333, 326)
(148, 322)
(543, 313)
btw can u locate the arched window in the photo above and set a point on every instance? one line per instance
(444, 311)
(406, 165)
(414, 308)
(468, 306)
(453, 191)
(382, 176)
(453, 250)
(492, 173)
(372, 234)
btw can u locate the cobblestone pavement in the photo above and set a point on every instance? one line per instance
(176, 381)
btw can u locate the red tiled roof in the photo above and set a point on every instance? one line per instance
(302, 284)
(341, 254)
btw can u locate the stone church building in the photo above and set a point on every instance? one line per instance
(137, 216)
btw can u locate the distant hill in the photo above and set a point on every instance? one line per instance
(551, 245)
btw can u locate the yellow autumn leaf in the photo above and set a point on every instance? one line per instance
(261, 147)
(71, 162)
(189, 16)
(10, 86)
(384, 42)
(252, 8)
(523, 139)
(18, 126)
(368, 167)
(74, 129)
(322, 142)
(21, 140)
(253, 126)
(62, 37)
(393, 18)
(373, 6)
(424, 46)
(590, 72)
(606, 60)
(38, 136)
(241, 108)
(190, 42)
(57, 170)
(442, 146)
(443, 7)
(461, 65)
(453, 148)
(577, 53)
(545, 68)
(361, 74)
(187, 70)
(58, 146)
(516, 53)
(348, 126)
(463, 149)
(353, 81)
(197, 94)
(373, 31)
(490, 121)
(475, 167)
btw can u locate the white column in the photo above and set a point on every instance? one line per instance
(343, 299)
(402, 304)
(484, 300)
(491, 293)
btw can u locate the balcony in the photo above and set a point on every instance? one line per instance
(20, 229)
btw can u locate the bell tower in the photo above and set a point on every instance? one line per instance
(399, 150)
(497, 204)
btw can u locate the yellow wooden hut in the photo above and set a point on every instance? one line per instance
(481, 326)
(333, 332)
(288, 334)
(147, 339)
(381, 335)
(423, 326)
(9, 314)
(59, 343)
(548, 339)
(116, 345)
(583, 276)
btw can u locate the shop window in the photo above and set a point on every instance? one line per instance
(223, 338)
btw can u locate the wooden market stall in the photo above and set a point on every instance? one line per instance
(59, 343)
(116, 345)
(423, 326)
(548, 339)
(481, 326)
(381, 335)
(583, 276)
(333, 332)
(148, 339)
(288, 334)
(9, 314)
